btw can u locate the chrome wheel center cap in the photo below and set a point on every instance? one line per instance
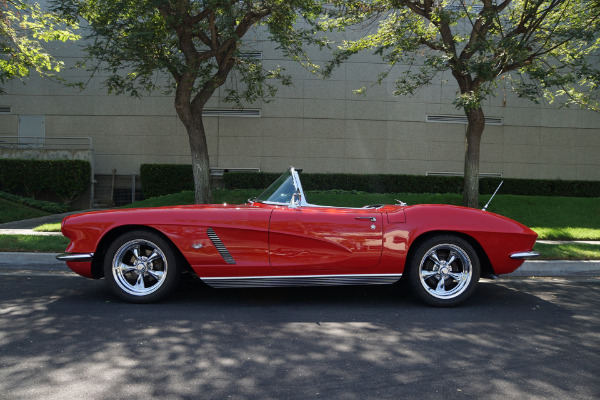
(444, 269)
(140, 266)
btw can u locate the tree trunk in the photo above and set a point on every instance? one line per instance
(200, 163)
(475, 129)
(190, 114)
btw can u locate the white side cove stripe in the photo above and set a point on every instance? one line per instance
(302, 280)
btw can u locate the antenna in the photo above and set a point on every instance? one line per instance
(488, 203)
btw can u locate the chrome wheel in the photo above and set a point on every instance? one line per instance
(445, 271)
(139, 267)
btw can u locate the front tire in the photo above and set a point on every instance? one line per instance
(443, 271)
(141, 267)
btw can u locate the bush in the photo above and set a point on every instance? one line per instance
(66, 179)
(249, 180)
(162, 179)
(48, 206)
(382, 183)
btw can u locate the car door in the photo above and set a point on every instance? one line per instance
(234, 239)
(324, 238)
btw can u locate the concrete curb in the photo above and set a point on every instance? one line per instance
(550, 268)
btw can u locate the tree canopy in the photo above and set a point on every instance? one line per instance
(189, 48)
(547, 49)
(24, 28)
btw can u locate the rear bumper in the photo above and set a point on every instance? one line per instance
(524, 255)
(75, 257)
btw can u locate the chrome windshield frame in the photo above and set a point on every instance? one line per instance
(297, 191)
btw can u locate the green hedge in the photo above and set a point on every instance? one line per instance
(384, 183)
(250, 180)
(161, 179)
(541, 187)
(66, 179)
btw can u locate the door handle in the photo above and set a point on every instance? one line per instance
(372, 219)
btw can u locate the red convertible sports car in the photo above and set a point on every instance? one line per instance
(279, 239)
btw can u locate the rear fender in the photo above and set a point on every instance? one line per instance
(486, 266)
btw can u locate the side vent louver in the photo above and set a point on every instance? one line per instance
(472, 8)
(481, 175)
(460, 119)
(251, 55)
(220, 246)
(222, 112)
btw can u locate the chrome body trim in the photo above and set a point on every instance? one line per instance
(298, 199)
(372, 219)
(75, 257)
(301, 280)
(216, 241)
(525, 255)
(299, 190)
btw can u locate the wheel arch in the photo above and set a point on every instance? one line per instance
(110, 236)
(486, 266)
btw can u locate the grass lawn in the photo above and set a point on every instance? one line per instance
(10, 211)
(33, 244)
(556, 218)
(219, 197)
(570, 251)
(53, 227)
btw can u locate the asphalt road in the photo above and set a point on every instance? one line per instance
(66, 337)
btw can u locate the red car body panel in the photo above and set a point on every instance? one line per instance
(82, 268)
(325, 238)
(266, 240)
(498, 236)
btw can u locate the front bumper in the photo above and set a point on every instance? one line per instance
(524, 255)
(75, 257)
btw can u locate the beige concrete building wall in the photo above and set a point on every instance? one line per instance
(318, 125)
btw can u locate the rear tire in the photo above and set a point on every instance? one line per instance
(443, 271)
(141, 267)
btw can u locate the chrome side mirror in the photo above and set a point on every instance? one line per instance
(296, 199)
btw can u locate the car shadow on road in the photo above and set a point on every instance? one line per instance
(296, 343)
(307, 304)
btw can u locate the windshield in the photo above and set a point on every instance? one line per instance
(280, 191)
